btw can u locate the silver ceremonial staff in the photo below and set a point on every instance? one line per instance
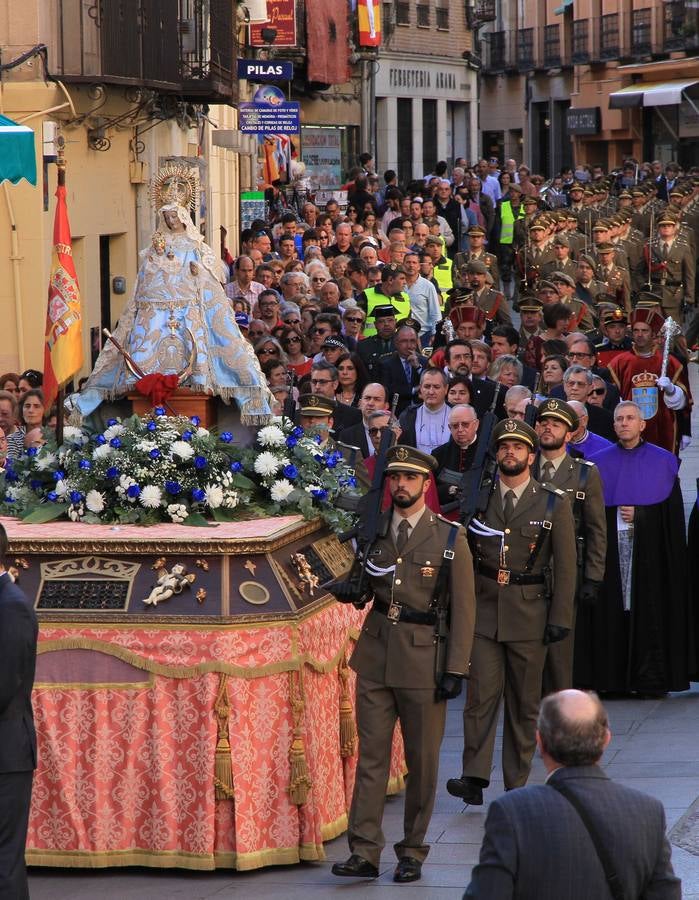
(669, 329)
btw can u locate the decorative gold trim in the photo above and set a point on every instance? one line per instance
(334, 829)
(96, 685)
(225, 586)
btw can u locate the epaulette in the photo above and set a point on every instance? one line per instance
(449, 521)
(582, 461)
(553, 490)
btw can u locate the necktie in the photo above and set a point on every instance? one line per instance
(407, 368)
(509, 508)
(402, 537)
(666, 251)
(547, 471)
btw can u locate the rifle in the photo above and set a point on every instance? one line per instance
(478, 481)
(352, 589)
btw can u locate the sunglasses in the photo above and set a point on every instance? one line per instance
(598, 392)
(355, 319)
(268, 352)
(375, 432)
(293, 321)
(293, 340)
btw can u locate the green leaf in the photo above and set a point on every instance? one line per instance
(243, 482)
(46, 512)
(195, 518)
(221, 514)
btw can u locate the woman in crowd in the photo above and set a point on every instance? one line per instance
(552, 371)
(505, 180)
(353, 319)
(459, 390)
(30, 379)
(294, 345)
(352, 378)
(10, 382)
(32, 409)
(507, 370)
(372, 229)
(269, 348)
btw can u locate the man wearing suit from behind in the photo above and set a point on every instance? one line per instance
(18, 635)
(536, 845)
(524, 553)
(395, 664)
(555, 425)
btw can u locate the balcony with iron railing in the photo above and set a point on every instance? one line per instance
(187, 47)
(524, 50)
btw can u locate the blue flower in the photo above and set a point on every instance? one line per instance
(317, 439)
(52, 496)
(155, 453)
(198, 495)
(195, 420)
(35, 484)
(133, 491)
(297, 432)
(200, 462)
(151, 426)
(11, 475)
(173, 487)
(31, 451)
(226, 437)
(100, 440)
(112, 472)
(290, 472)
(111, 422)
(59, 475)
(320, 494)
(159, 411)
(291, 441)
(75, 496)
(236, 467)
(85, 464)
(115, 442)
(318, 457)
(187, 435)
(330, 462)
(352, 481)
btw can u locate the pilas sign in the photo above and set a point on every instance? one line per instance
(264, 70)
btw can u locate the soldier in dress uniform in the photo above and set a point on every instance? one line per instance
(493, 303)
(416, 556)
(672, 267)
(583, 316)
(524, 554)
(477, 251)
(555, 424)
(531, 317)
(615, 340)
(562, 262)
(615, 278)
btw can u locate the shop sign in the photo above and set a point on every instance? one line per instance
(585, 120)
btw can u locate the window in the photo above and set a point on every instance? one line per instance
(423, 15)
(402, 13)
(610, 37)
(497, 50)
(581, 41)
(640, 32)
(525, 48)
(673, 26)
(442, 18)
(552, 45)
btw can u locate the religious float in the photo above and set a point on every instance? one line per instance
(193, 700)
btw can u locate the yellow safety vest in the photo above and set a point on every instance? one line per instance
(508, 218)
(442, 274)
(400, 302)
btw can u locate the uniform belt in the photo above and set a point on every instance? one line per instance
(677, 284)
(514, 577)
(396, 612)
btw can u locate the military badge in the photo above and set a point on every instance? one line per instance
(427, 571)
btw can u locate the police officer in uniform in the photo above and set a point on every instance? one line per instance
(524, 555)
(395, 663)
(556, 422)
(373, 350)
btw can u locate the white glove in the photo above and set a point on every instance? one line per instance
(664, 384)
(685, 441)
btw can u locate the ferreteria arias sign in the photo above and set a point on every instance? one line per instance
(414, 78)
(585, 120)
(435, 80)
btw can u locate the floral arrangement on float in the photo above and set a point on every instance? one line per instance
(161, 468)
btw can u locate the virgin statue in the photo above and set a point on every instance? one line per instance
(179, 320)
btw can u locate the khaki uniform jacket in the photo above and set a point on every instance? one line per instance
(402, 655)
(516, 612)
(567, 477)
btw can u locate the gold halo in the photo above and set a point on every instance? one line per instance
(174, 184)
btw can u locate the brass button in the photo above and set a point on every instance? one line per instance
(397, 581)
(507, 531)
(428, 563)
(505, 547)
(399, 560)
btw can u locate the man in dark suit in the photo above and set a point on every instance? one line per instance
(324, 382)
(536, 846)
(374, 397)
(485, 393)
(18, 635)
(401, 371)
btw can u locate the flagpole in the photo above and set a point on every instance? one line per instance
(60, 399)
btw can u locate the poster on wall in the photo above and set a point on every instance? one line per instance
(322, 156)
(282, 20)
(369, 21)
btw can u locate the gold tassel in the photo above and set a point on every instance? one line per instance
(299, 779)
(223, 771)
(348, 726)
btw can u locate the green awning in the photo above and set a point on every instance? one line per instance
(563, 8)
(17, 158)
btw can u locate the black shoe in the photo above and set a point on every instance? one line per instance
(408, 869)
(355, 867)
(468, 789)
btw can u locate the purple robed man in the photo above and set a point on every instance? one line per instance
(641, 635)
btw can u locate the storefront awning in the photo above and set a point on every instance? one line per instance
(563, 7)
(17, 159)
(666, 93)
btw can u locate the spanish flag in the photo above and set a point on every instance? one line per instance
(63, 349)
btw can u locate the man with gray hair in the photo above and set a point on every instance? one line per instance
(577, 384)
(583, 442)
(517, 399)
(569, 839)
(456, 455)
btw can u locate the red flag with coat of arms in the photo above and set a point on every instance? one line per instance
(63, 349)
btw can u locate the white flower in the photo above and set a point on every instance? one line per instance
(146, 446)
(182, 449)
(313, 487)
(177, 512)
(125, 481)
(61, 488)
(94, 501)
(271, 436)
(267, 464)
(76, 512)
(101, 452)
(230, 500)
(214, 495)
(45, 461)
(74, 435)
(280, 490)
(151, 496)
(202, 432)
(113, 431)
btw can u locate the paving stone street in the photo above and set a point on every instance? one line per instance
(654, 749)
